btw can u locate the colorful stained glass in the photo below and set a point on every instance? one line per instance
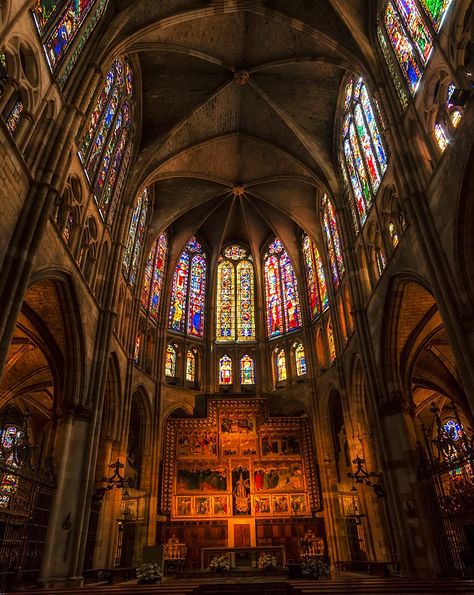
(436, 10)
(194, 246)
(331, 343)
(359, 163)
(225, 306)
(136, 353)
(197, 294)
(247, 370)
(235, 252)
(366, 147)
(136, 236)
(332, 240)
(348, 95)
(315, 278)
(441, 137)
(79, 46)
(65, 30)
(190, 366)
(245, 302)
(360, 200)
(43, 12)
(300, 360)
(179, 294)
(225, 370)
(453, 429)
(153, 276)
(394, 73)
(280, 365)
(373, 129)
(170, 361)
(416, 27)
(13, 118)
(281, 291)
(455, 116)
(290, 294)
(104, 148)
(402, 47)
(273, 295)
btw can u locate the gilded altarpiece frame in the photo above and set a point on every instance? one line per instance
(239, 462)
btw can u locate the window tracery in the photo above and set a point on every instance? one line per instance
(188, 291)
(235, 310)
(59, 24)
(315, 278)
(363, 160)
(135, 239)
(281, 291)
(154, 276)
(105, 145)
(332, 240)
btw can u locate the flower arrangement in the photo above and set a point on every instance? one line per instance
(149, 573)
(266, 561)
(219, 563)
(314, 568)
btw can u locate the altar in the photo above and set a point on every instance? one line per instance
(244, 558)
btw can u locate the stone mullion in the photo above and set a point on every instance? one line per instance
(32, 222)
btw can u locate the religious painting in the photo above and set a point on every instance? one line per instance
(201, 477)
(197, 443)
(298, 504)
(202, 506)
(183, 506)
(280, 504)
(285, 444)
(261, 505)
(220, 505)
(238, 423)
(278, 477)
(241, 491)
(238, 435)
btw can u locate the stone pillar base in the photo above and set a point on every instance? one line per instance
(61, 583)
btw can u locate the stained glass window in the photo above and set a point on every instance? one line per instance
(13, 118)
(331, 343)
(190, 366)
(393, 234)
(315, 278)
(58, 24)
(281, 291)
(225, 370)
(136, 236)
(364, 159)
(300, 360)
(436, 10)
(105, 144)
(10, 437)
(188, 291)
(392, 68)
(332, 240)
(154, 275)
(379, 257)
(247, 370)
(136, 352)
(280, 365)
(235, 315)
(170, 361)
(441, 137)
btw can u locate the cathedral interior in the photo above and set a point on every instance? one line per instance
(236, 286)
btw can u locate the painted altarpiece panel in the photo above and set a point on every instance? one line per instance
(238, 462)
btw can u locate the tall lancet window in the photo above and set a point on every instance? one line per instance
(281, 291)
(189, 290)
(136, 237)
(406, 26)
(105, 145)
(153, 277)
(315, 278)
(58, 23)
(235, 308)
(332, 240)
(364, 159)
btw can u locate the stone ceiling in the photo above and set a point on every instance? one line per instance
(239, 106)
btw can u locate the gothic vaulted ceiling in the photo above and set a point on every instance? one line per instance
(239, 100)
